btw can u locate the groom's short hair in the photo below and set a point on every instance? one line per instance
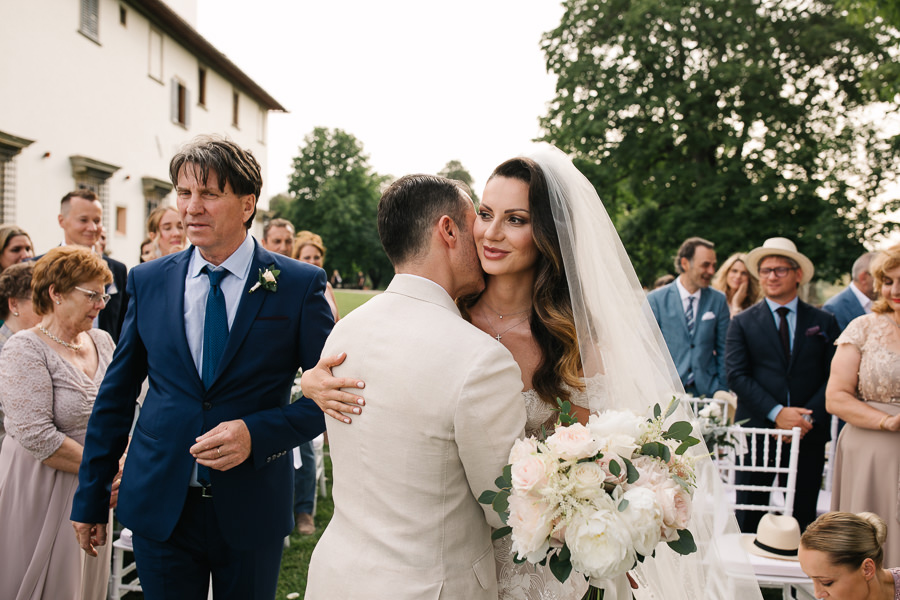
(409, 209)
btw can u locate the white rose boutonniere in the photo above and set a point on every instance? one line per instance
(268, 280)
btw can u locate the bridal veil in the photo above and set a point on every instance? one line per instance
(619, 337)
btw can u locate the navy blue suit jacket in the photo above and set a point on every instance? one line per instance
(273, 334)
(845, 307)
(702, 353)
(762, 377)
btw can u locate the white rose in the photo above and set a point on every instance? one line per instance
(710, 411)
(616, 422)
(573, 442)
(532, 472)
(643, 518)
(268, 276)
(600, 543)
(531, 524)
(619, 445)
(587, 480)
(521, 449)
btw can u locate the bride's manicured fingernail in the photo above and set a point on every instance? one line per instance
(360, 401)
(360, 385)
(356, 410)
(347, 421)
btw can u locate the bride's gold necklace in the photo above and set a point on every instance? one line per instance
(499, 335)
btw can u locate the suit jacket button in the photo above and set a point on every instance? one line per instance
(207, 405)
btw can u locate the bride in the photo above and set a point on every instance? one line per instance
(563, 298)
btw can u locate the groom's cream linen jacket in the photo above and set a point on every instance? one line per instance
(443, 408)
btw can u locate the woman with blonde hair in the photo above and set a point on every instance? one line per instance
(864, 390)
(165, 230)
(740, 287)
(843, 554)
(309, 248)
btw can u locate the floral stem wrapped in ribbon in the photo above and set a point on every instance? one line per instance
(600, 497)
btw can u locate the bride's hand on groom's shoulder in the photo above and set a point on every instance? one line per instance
(322, 387)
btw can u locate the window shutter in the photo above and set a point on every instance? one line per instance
(187, 108)
(89, 18)
(174, 108)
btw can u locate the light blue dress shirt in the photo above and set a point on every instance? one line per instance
(792, 328)
(196, 288)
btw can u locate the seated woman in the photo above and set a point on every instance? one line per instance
(843, 555)
(49, 377)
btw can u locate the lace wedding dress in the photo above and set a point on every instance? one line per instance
(535, 582)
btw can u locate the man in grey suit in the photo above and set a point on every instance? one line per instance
(694, 319)
(856, 299)
(447, 407)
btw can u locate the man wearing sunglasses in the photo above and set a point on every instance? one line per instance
(778, 356)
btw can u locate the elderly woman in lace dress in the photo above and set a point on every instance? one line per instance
(49, 377)
(864, 391)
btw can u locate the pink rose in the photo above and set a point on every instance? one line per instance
(531, 473)
(573, 442)
(521, 449)
(676, 505)
(530, 520)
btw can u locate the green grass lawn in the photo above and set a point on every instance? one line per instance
(295, 560)
(347, 300)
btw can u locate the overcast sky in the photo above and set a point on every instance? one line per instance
(419, 83)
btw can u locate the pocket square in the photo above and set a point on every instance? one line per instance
(813, 331)
(708, 315)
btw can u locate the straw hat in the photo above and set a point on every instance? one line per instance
(779, 246)
(777, 536)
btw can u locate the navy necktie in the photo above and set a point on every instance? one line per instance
(784, 331)
(689, 315)
(215, 334)
(215, 328)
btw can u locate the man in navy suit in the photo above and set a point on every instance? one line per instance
(220, 330)
(778, 359)
(856, 299)
(694, 319)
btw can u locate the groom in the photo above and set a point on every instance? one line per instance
(219, 330)
(407, 524)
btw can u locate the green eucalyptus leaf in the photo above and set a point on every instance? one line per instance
(487, 497)
(633, 474)
(679, 430)
(501, 502)
(614, 467)
(499, 533)
(623, 505)
(672, 406)
(656, 411)
(559, 566)
(685, 542)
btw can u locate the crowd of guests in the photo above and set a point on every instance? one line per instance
(743, 329)
(60, 317)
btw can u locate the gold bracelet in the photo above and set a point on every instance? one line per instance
(881, 424)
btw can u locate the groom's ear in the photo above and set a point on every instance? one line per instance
(448, 230)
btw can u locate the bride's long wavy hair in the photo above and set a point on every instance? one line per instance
(552, 320)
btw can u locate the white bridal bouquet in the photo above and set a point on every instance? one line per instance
(598, 498)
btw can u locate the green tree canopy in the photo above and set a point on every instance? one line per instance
(334, 192)
(455, 170)
(735, 120)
